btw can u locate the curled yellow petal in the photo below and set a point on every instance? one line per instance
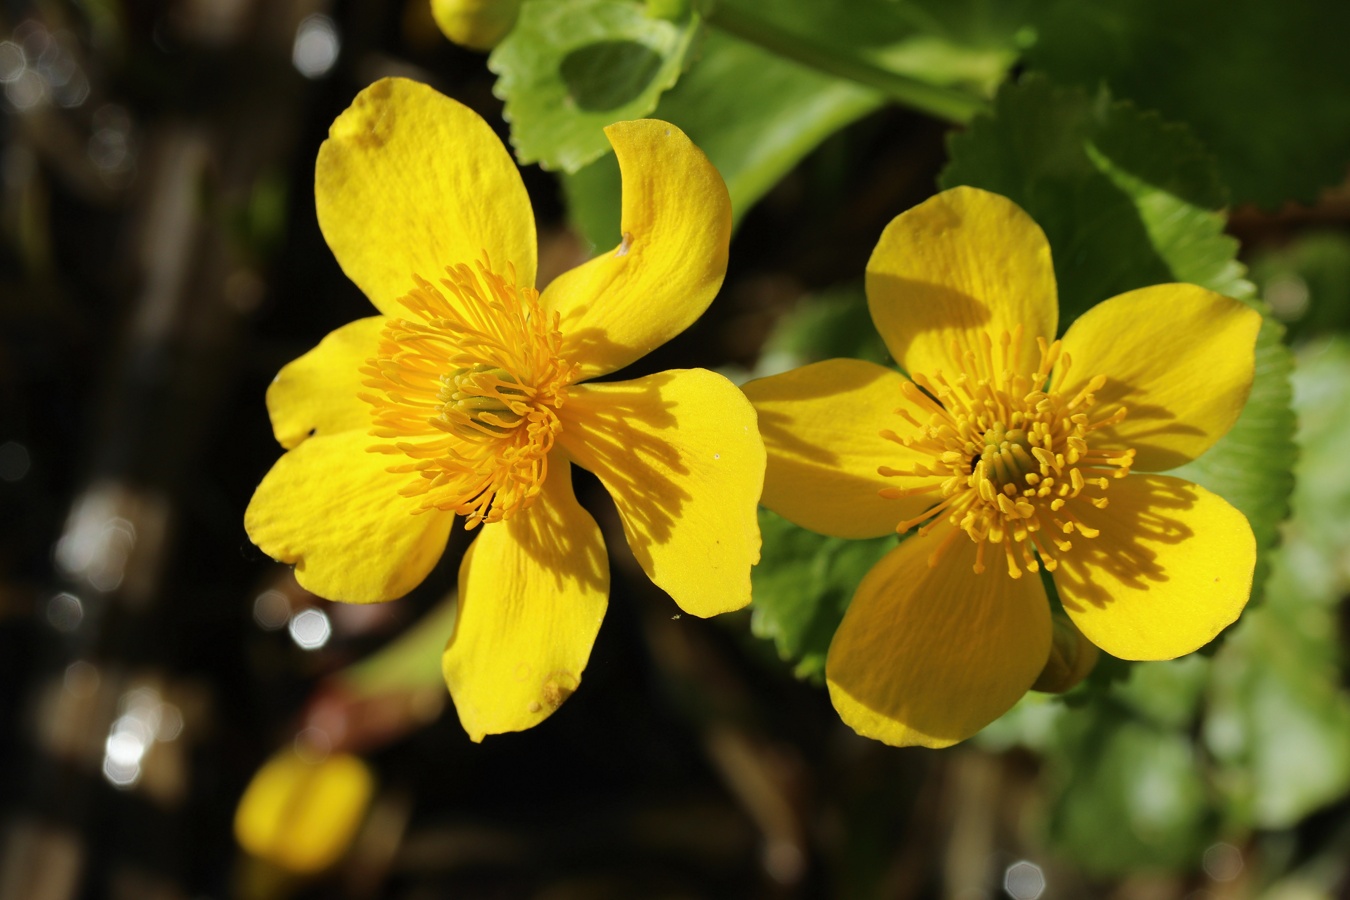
(930, 654)
(409, 182)
(302, 815)
(532, 593)
(669, 264)
(680, 454)
(1171, 568)
(332, 508)
(824, 428)
(1179, 358)
(318, 393)
(955, 267)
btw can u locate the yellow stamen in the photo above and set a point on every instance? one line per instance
(1015, 451)
(467, 388)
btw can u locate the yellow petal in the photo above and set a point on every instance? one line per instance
(676, 226)
(333, 510)
(532, 592)
(410, 181)
(1171, 568)
(476, 24)
(302, 815)
(317, 393)
(930, 655)
(960, 264)
(681, 456)
(822, 428)
(1178, 357)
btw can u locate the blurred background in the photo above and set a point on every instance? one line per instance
(160, 261)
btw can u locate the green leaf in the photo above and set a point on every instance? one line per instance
(1128, 200)
(1125, 794)
(755, 114)
(571, 67)
(803, 585)
(1264, 85)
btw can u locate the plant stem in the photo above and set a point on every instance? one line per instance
(941, 102)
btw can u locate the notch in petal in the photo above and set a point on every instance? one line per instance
(331, 508)
(319, 393)
(409, 182)
(670, 263)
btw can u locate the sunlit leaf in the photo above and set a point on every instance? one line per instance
(571, 67)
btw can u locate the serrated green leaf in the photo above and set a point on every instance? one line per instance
(803, 585)
(1264, 85)
(755, 114)
(571, 67)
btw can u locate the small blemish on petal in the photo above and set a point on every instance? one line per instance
(534, 706)
(627, 242)
(558, 687)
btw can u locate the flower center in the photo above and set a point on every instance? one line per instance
(1011, 451)
(467, 388)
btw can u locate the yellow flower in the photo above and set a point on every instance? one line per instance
(303, 815)
(1010, 452)
(465, 396)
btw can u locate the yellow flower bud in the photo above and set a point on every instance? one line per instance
(301, 816)
(476, 24)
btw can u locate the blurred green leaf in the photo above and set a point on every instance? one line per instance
(1125, 794)
(803, 585)
(571, 67)
(1264, 85)
(832, 323)
(755, 115)
(1126, 199)
(1279, 719)
(1307, 282)
(411, 661)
